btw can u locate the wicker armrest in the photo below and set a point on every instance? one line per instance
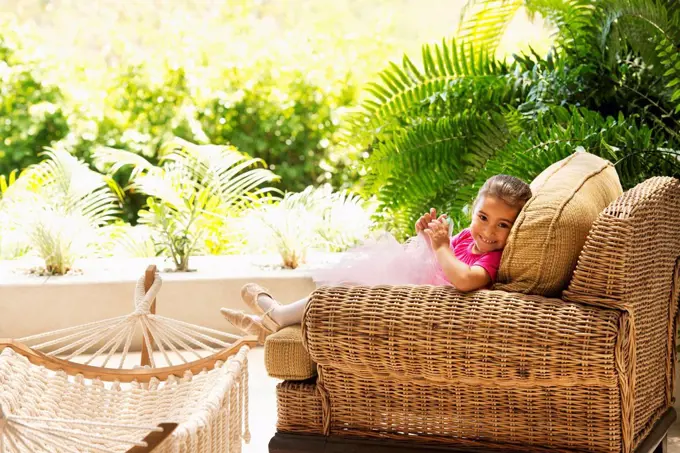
(440, 334)
(631, 261)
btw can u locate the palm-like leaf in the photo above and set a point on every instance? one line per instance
(195, 190)
(111, 157)
(315, 217)
(345, 219)
(69, 185)
(485, 22)
(225, 172)
(60, 204)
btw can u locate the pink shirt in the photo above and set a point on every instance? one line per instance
(462, 243)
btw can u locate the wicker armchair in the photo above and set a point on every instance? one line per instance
(590, 371)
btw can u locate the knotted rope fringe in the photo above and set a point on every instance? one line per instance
(3, 424)
(33, 433)
(63, 413)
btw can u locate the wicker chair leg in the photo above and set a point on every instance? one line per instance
(663, 446)
(286, 442)
(657, 439)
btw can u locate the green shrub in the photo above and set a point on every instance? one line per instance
(57, 207)
(285, 119)
(31, 112)
(195, 191)
(316, 218)
(139, 115)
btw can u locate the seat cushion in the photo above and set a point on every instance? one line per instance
(546, 240)
(286, 358)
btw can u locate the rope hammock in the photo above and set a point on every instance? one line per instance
(175, 341)
(46, 411)
(53, 400)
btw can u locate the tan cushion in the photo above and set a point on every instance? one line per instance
(547, 238)
(285, 357)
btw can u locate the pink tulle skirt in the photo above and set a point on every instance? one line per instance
(384, 261)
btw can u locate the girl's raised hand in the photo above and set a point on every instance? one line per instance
(437, 232)
(425, 219)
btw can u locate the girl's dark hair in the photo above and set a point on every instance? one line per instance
(513, 191)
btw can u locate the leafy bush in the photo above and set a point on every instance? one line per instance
(139, 115)
(287, 120)
(314, 218)
(31, 111)
(58, 206)
(197, 189)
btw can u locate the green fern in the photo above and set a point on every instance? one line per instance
(403, 88)
(484, 23)
(641, 25)
(576, 22)
(610, 85)
(432, 161)
(637, 150)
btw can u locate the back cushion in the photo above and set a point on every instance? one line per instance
(546, 240)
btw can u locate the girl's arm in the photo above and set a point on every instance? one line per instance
(463, 277)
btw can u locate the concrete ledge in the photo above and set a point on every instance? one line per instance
(32, 304)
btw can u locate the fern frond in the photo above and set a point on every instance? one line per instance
(641, 25)
(405, 87)
(576, 22)
(430, 159)
(485, 22)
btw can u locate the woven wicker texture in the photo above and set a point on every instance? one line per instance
(486, 365)
(285, 356)
(548, 235)
(299, 407)
(630, 262)
(41, 405)
(442, 335)
(561, 417)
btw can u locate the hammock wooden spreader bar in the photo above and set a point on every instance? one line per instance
(127, 375)
(175, 341)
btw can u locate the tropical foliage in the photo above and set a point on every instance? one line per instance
(208, 73)
(31, 112)
(58, 207)
(609, 84)
(193, 196)
(316, 218)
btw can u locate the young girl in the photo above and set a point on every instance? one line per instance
(468, 261)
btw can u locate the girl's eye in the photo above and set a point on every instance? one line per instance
(504, 225)
(482, 216)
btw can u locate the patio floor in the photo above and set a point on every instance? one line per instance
(263, 404)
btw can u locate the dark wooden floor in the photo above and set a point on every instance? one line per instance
(655, 442)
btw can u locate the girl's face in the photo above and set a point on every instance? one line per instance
(491, 224)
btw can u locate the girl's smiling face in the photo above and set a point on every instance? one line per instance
(491, 223)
